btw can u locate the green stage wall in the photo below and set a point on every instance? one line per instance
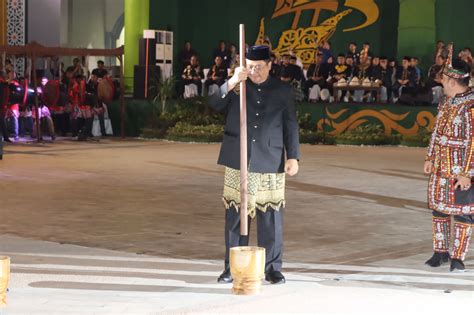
(205, 22)
(403, 26)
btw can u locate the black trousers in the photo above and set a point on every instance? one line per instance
(269, 235)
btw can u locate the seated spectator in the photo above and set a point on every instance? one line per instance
(275, 70)
(223, 53)
(330, 62)
(350, 63)
(406, 79)
(100, 72)
(414, 64)
(216, 75)
(286, 76)
(298, 69)
(381, 74)
(234, 55)
(316, 76)
(192, 74)
(292, 70)
(434, 78)
(184, 56)
(393, 65)
(374, 64)
(339, 71)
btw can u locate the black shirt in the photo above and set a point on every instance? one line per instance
(100, 73)
(272, 127)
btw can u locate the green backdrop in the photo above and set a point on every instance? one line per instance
(205, 22)
(403, 27)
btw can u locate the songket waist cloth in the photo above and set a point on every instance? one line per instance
(265, 190)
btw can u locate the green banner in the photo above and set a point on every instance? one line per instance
(395, 119)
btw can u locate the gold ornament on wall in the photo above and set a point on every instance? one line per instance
(302, 41)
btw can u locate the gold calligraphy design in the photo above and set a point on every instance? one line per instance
(304, 41)
(284, 7)
(390, 121)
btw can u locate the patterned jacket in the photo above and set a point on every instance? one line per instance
(451, 146)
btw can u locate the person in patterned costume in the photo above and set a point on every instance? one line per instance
(273, 151)
(450, 163)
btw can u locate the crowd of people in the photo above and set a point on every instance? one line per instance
(71, 101)
(398, 81)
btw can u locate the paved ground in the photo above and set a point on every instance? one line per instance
(136, 227)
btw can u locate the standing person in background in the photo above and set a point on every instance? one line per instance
(325, 49)
(223, 53)
(184, 56)
(434, 80)
(440, 49)
(419, 74)
(353, 53)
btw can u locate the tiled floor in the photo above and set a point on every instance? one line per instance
(356, 231)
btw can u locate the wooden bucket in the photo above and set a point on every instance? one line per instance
(4, 278)
(247, 266)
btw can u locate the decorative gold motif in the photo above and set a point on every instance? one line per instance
(284, 7)
(390, 121)
(303, 41)
(261, 33)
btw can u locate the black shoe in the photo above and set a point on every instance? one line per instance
(7, 140)
(225, 277)
(437, 259)
(275, 277)
(457, 265)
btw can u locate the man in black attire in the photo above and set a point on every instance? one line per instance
(216, 75)
(273, 150)
(382, 73)
(100, 72)
(292, 70)
(405, 79)
(192, 74)
(317, 74)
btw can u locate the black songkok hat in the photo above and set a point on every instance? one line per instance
(260, 52)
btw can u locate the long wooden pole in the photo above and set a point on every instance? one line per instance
(243, 141)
